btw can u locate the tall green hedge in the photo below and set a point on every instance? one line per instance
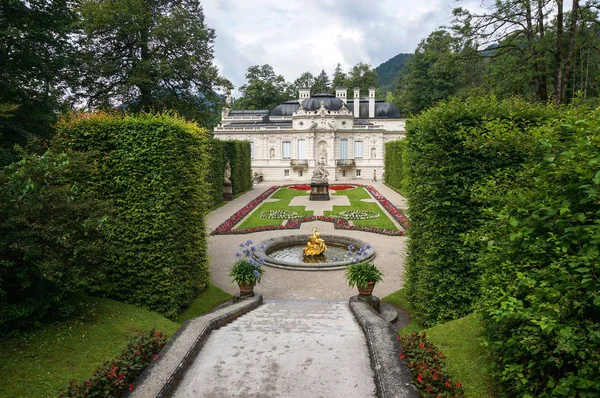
(238, 155)
(396, 165)
(539, 255)
(153, 168)
(452, 147)
(216, 172)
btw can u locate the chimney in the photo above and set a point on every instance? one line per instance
(371, 102)
(340, 92)
(303, 93)
(356, 102)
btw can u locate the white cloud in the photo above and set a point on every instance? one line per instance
(310, 35)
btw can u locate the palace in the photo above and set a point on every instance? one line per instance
(288, 141)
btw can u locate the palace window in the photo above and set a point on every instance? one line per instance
(286, 149)
(343, 149)
(286, 173)
(358, 172)
(301, 149)
(358, 149)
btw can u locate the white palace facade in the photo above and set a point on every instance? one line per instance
(287, 142)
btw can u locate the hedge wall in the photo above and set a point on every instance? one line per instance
(153, 168)
(539, 254)
(216, 172)
(238, 154)
(396, 165)
(453, 147)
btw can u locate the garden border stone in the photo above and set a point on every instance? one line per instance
(392, 377)
(161, 376)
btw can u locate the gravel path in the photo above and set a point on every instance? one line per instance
(280, 284)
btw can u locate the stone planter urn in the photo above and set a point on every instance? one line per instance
(366, 291)
(246, 289)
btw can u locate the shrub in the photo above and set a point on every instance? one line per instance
(247, 269)
(215, 175)
(51, 238)
(119, 374)
(427, 365)
(153, 168)
(238, 155)
(396, 165)
(451, 148)
(540, 263)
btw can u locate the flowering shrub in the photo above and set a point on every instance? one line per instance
(277, 214)
(359, 214)
(119, 374)
(226, 228)
(246, 269)
(428, 367)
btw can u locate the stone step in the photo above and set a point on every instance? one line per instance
(284, 349)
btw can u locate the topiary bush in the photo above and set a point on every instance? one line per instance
(451, 148)
(396, 165)
(539, 257)
(153, 168)
(51, 238)
(238, 154)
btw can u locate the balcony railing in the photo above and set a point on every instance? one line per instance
(345, 163)
(299, 163)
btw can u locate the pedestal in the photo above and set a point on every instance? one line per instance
(319, 191)
(227, 191)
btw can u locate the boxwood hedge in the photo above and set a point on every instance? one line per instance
(153, 168)
(396, 165)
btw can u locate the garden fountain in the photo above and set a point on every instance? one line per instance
(288, 252)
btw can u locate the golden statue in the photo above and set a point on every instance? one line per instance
(316, 245)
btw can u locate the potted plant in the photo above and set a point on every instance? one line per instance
(246, 271)
(364, 276)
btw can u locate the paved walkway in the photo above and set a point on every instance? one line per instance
(284, 349)
(285, 284)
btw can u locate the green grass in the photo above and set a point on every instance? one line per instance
(40, 363)
(355, 197)
(399, 299)
(285, 196)
(460, 341)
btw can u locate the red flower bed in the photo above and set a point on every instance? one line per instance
(341, 187)
(427, 366)
(300, 187)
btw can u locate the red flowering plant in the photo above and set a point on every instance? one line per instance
(118, 375)
(427, 365)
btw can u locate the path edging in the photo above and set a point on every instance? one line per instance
(161, 377)
(392, 377)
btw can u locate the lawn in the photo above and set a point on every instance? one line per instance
(355, 197)
(459, 340)
(285, 196)
(40, 363)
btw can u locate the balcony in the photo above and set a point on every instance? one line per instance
(299, 164)
(345, 163)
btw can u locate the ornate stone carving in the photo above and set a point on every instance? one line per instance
(320, 175)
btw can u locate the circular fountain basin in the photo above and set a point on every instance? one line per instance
(286, 252)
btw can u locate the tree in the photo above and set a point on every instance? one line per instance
(306, 80)
(362, 76)
(533, 32)
(322, 83)
(34, 53)
(339, 78)
(264, 89)
(434, 73)
(149, 55)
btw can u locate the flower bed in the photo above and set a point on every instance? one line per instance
(226, 228)
(300, 187)
(427, 365)
(341, 187)
(277, 214)
(358, 214)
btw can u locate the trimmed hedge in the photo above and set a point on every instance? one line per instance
(238, 155)
(445, 164)
(540, 260)
(215, 175)
(153, 167)
(396, 165)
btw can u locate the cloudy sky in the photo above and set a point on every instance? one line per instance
(310, 35)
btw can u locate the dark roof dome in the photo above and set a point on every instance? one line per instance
(285, 109)
(329, 101)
